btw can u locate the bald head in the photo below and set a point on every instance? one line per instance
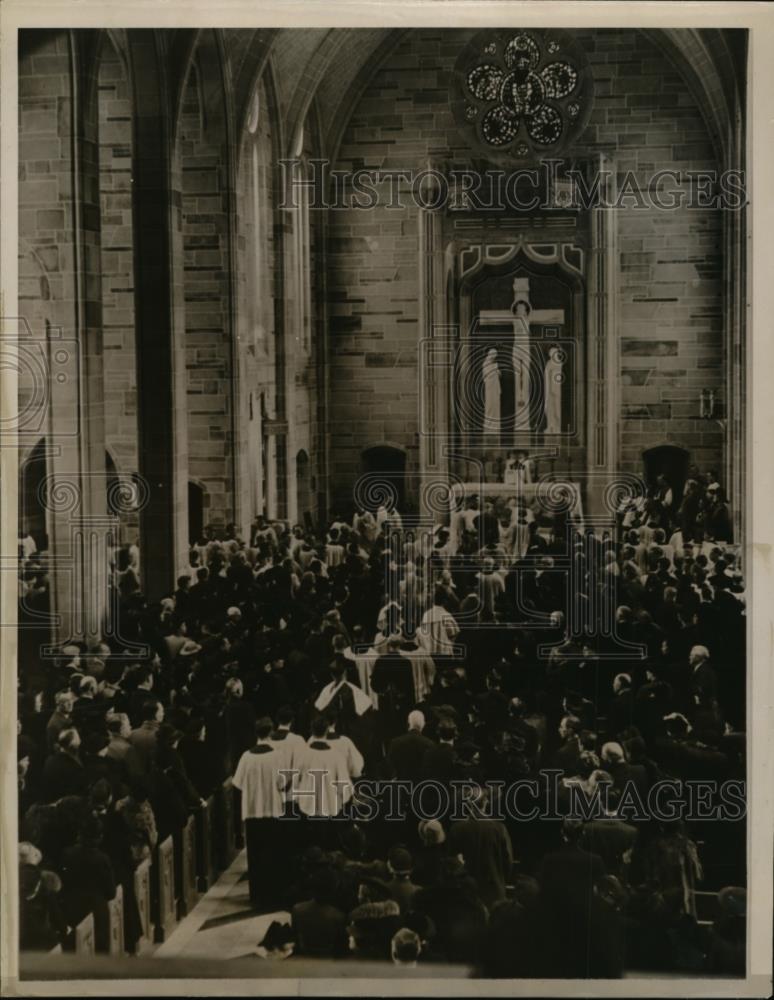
(416, 721)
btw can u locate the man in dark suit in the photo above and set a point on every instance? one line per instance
(620, 715)
(567, 757)
(440, 762)
(570, 874)
(621, 771)
(63, 772)
(485, 844)
(393, 681)
(406, 753)
(704, 682)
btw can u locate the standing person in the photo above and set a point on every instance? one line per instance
(143, 738)
(121, 750)
(485, 845)
(343, 699)
(286, 739)
(352, 756)
(491, 586)
(323, 785)
(406, 752)
(259, 779)
(63, 772)
(61, 717)
(239, 718)
(438, 628)
(393, 681)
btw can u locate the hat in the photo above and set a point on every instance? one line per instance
(189, 648)
(431, 832)
(168, 603)
(234, 612)
(400, 860)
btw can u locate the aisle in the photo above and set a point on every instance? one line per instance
(221, 925)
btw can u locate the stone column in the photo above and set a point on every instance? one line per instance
(436, 363)
(60, 224)
(602, 333)
(735, 307)
(161, 389)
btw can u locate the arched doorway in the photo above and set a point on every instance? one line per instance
(388, 463)
(304, 499)
(195, 512)
(32, 510)
(669, 461)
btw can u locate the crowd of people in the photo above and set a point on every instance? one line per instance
(325, 670)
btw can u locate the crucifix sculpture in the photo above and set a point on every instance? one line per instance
(521, 317)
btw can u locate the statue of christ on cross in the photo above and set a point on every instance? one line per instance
(521, 317)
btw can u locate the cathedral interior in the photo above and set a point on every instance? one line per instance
(236, 341)
(280, 276)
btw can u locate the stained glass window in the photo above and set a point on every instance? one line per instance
(522, 93)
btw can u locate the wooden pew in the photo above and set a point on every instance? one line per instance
(185, 868)
(163, 890)
(142, 890)
(205, 860)
(116, 923)
(83, 936)
(225, 838)
(109, 925)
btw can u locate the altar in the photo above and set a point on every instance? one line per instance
(515, 361)
(548, 497)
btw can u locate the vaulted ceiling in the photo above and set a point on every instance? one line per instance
(328, 68)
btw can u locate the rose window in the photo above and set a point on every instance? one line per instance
(524, 92)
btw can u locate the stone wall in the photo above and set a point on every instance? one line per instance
(117, 263)
(206, 283)
(669, 290)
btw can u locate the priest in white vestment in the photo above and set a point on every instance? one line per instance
(438, 629)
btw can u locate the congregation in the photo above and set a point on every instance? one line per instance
(324, 669)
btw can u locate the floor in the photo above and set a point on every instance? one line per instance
(222, 925)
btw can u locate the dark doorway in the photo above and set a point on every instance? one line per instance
(303, 488)
(32, 509)
(195, 512)
(669, 461)
(388, 463)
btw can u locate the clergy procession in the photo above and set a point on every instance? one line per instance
(377, 701)
(385, 502)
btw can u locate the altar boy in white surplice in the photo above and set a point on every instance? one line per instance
(324, 783)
